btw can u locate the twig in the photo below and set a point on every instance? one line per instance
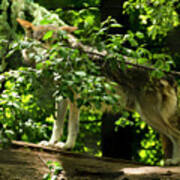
(43, 161)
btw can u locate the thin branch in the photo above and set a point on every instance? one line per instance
(96, 56)
(44, 162)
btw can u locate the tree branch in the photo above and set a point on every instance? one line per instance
(96, 55)
(39, 12)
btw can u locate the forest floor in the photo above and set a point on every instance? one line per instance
(26, 161)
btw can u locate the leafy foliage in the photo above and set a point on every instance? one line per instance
(60, 70)
(55, 169)
(158, 16)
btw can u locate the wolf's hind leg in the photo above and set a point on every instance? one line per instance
(175, 160)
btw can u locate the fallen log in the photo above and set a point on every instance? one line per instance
(78, 166)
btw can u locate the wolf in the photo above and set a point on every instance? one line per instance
(155, 100)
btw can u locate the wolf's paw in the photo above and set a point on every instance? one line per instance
(64, 146)
(59, 145)
(47, 143)
(173, 161)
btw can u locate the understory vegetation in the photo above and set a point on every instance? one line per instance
(29, 92)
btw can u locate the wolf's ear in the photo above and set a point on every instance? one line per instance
(25, 24)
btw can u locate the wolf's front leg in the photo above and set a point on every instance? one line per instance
(61, 109)
(59, 122)
(73, 127)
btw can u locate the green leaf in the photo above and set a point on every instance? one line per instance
(39, 65)
(142, 60)
(159, 64)
(80, 73)
(48, 35)
(140, 35)
(116, 25)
